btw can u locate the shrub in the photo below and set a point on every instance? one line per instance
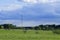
(56, 31)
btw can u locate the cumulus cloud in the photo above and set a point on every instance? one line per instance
(56, 8)
(39, 1)
(34, 12)
(24, 3)
(28, 23)
(10, 7)
(18, 22)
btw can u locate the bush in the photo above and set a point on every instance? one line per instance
(56, 31)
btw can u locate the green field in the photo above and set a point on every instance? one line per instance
(30, 35)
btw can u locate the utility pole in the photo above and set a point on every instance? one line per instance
(24, 29)
(21, 20)
(21, 17)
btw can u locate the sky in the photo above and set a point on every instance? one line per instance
(33, 12)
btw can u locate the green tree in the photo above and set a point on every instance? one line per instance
(9, 26)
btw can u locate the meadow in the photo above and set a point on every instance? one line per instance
(17, 34)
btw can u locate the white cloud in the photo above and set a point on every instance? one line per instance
(56, 8)
(17, 5)
(26, 23)
(15, 22)
(30, 1)
(39, 1)
(10, 7)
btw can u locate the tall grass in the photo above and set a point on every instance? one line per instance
(29, 35)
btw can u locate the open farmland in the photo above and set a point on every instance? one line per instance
(29, 35)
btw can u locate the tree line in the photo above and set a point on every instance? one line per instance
(39, 27)
(54, 28)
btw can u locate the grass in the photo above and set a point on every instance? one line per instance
(30, 35)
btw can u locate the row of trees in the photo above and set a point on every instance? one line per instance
(7, 26)
(53, 27)
(39, 27)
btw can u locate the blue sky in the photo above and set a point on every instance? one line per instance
(34, 12)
